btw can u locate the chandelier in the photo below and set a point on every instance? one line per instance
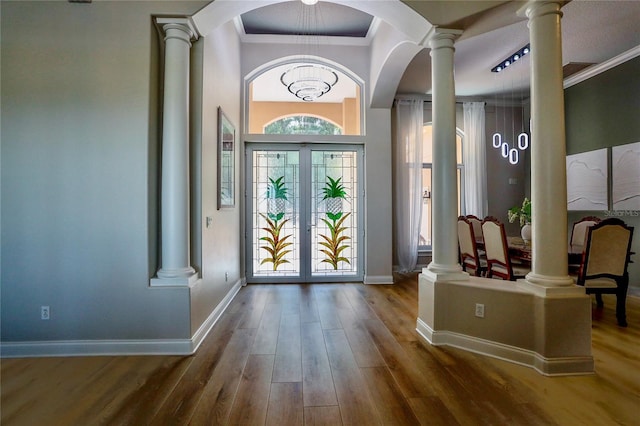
(309, 81)
(508, 150)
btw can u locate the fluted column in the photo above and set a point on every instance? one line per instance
(443, 173)
(548, 150)
(175, 267)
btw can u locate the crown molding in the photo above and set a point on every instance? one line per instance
(594, 70)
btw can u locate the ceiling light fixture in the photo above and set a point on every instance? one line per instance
(309, 2)
(512, 58)
(500, 139)
(309, 81)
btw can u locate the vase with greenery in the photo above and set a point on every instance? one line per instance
(520, 213)
(523, 215)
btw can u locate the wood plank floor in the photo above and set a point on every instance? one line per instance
(326, 354)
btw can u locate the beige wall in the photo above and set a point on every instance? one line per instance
(345, 115)
(551, 334)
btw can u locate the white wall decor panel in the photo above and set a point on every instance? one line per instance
(587, 181)
(625, 164)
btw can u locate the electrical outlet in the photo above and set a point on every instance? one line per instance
(45, 313)
(479, 310)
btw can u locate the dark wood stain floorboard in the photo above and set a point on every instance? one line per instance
(326, 354)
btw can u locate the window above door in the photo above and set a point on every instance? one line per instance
(304, 97)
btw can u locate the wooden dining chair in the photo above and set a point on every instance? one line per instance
(579, 233)
(577, 241)
(477, 226)
(605, 260)
(469, 255)
(497, 252)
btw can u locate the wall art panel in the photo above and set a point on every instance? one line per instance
(587, 181)
(625, 161)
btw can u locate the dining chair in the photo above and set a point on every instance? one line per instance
(469, 255)
(605, 260)
(477, 226)
(579, 233)
(497, 252)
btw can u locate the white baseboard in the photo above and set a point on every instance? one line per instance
(378, 279)
(119, 347)
(545, 366)
(215, 315)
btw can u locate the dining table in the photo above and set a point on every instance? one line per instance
(521, 250)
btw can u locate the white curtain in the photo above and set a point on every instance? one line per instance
(475, 162)
(408, 182)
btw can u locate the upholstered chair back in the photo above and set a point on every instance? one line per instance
(477, 226)
(495, 241)
(579, 233)
(607, 250)
(465, 236)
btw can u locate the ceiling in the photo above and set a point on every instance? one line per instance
(593, 31)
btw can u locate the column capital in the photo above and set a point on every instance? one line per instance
(185, 29)
(438, 38)
(536, 8)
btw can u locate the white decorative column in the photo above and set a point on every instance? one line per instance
(444, 180)
(175, 267)
(548, 150)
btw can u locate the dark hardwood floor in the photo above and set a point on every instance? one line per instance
(326, 354)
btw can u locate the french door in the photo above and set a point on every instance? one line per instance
(304, 213)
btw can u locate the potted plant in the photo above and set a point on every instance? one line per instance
(523, 215)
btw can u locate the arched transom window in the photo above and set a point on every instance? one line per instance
(304, 98)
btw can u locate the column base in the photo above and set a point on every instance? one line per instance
(547, 286)
(184, 277)
(439, 273)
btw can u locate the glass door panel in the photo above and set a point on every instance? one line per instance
(275, 216)
(334, 214)
(304, 208)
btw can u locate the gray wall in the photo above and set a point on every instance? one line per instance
(80, 155)
(219, 244)
(507, 183)
(602, 112)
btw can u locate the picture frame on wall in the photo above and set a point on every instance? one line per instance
(226, 161)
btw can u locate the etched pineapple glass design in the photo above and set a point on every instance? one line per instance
(277, 245)
(276, 198)
(334, 193)
(335, 242)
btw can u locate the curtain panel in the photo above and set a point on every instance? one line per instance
(474, 158)
(408, 182)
